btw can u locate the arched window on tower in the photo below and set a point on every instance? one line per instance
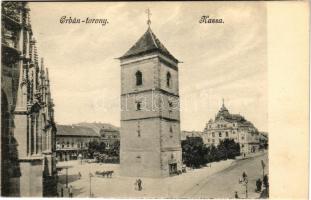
(139, 78)
(168, 79)
(138, 106)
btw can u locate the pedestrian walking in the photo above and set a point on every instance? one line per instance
(258, 185)
(236, 195)
(136, 184)
(244, 175)
(70, 191)
(79, 174)
(139, 182)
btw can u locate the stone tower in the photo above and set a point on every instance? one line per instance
(150, 121)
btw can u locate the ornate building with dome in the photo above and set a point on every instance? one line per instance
(232, 126)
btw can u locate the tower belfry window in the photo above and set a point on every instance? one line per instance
(168, 79)
(139, 78)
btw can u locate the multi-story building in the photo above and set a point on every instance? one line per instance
(185, 134)
(72, 140)
(28, 166)
(263, 140)
(150, 119)
(109, 135)
(232, 126)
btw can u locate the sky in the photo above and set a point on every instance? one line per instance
(219, 61)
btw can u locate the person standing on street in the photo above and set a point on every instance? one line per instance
(61, 192)
(70, 191)
(79, 174)
(236, 195)
(136, 184)
(139, 182)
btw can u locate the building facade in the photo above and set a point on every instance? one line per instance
(187, 134)
(150, 122)
(109, 135)
(72, 140)
(28, 166)
(263, 140)
(232, 126)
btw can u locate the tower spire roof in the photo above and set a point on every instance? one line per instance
(148, 43)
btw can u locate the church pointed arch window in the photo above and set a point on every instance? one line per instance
(168, 79)
(139, 78)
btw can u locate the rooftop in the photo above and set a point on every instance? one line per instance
(75, 130)
(224, 114)
(148, 43)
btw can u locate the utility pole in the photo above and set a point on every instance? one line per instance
(244, 181)
(90, 184)
(66, 177)
(263, 165)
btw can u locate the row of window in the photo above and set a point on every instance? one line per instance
(221, 125)
(220, 134)
(213, 141)
(227, 134)
(72, 144)
(139, 79)
(109, 136)
(139, 106)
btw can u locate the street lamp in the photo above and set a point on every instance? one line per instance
(263, 165)
(91, 175)
(244, 181)
(66, 177)
(80, 158)
(66, 168)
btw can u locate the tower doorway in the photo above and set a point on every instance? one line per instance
(172, 168)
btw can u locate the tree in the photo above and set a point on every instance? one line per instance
(101, 148)
(266, 181)
(114, 149)
(228, 149)
(92, 148)
(193, 152)
(196, 154)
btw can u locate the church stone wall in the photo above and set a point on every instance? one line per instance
(31, 183)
